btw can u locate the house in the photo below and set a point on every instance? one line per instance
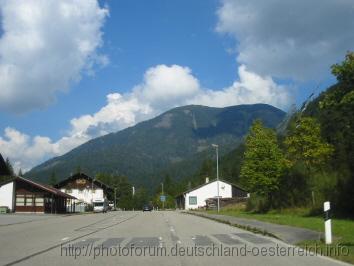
(19, 194)
(85, 188)
(196, 198)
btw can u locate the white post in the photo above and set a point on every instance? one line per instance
(328, 225)
(217, 174)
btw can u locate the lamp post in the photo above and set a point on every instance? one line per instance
(163, 202)
(115, 198)
(93, 180)
(217, 173)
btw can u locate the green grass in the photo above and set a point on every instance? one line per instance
(343, 230)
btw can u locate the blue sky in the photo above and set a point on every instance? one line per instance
(96, 67)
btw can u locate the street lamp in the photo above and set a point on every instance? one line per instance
(115, 198)
(217, 172)
(163, 202)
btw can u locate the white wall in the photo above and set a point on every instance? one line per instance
(85, 195)
(6, 195)
(208, 191)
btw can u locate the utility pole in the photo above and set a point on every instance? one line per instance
(93, 180)
(133, 193)
(163, 202)
(115, 198)
(217, 173)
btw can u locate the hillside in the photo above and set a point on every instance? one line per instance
(174, 142)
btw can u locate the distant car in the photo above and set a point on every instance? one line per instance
(147, 207)
(111, 206)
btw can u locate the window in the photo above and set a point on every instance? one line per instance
(192, 200)
(39, 201)
(68, 191)
(20, 200)
(29, 200)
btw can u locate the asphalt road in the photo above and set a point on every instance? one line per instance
(137, 238)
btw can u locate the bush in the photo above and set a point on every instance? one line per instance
(257, 203)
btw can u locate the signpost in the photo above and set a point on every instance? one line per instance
(328, 225)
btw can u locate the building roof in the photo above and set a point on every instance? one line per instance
(204, 184)
(46, 188)
(80, 176)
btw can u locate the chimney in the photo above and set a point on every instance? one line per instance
(206, 180)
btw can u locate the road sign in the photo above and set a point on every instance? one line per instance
(163, 198)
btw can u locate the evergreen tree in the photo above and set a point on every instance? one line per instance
(9, 166)
(53, 179)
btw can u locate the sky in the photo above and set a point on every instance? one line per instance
(73, 70)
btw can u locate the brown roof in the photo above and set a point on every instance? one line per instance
(47, 188)
(99, 183)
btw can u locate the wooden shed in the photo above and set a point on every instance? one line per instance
(23, 195)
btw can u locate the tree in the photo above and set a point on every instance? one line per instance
(337, 123)
(206, 170)
(9, 166)
(345, 71)
(78, 169)
(264, 162)
(53, 179)
(305, 144)
(343, 96)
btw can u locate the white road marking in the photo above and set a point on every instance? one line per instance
(65, 238)
(179, 242)
(160, 238)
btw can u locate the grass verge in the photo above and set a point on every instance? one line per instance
(343, 230)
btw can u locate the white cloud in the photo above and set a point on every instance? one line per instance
(289, 39)
(162, 88)
(44, 47)
(167, 85)
(251, 88)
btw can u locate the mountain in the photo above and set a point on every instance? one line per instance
(175, 142)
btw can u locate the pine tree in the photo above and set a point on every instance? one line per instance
(53, 179)
(9, 166)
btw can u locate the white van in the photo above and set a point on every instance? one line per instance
(100, 205)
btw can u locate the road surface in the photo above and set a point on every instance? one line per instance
(137, 238)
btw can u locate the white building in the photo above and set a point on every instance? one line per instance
(196, 198)
(83, 187)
